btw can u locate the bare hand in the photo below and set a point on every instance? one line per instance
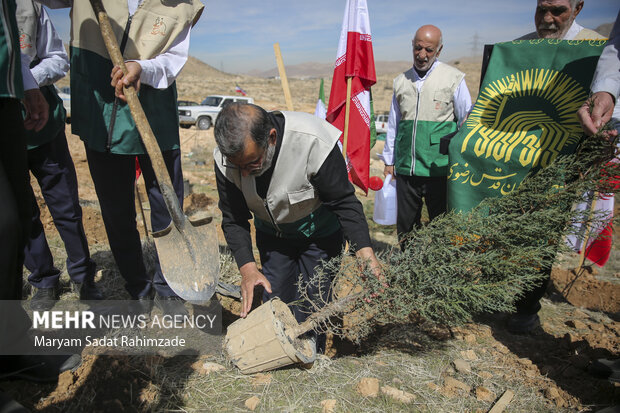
(250, 278)
(389, 170)
(37, 110)
(132, 78)
(596, 112)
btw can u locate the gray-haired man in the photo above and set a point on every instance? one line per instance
(286, 170)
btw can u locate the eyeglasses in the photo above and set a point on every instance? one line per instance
(251, 166)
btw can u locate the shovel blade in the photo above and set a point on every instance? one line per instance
(190, 259)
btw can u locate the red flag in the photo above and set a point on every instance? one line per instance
(138, 170)
(600, 249)
(354, 60)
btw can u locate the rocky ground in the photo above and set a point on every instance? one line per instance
(399, 368)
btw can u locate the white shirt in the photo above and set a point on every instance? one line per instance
(572, 31)
(27, 79)
(53, 60)
(462, 106)
(161, 71)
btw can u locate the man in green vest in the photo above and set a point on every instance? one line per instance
(285, 169)
(430, 100)
(50, 162)
(154, 39)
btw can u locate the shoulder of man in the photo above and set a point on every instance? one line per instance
(529, 36)
(449, 69)
(588, 34)
(309, 124)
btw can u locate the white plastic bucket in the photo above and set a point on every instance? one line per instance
(385, 203)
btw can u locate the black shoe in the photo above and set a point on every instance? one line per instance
(44, 299)
(605, 368)
(171, 305)
(41, 368)
(522, 323)
(142, 305)
(88, 290)
(10, 405)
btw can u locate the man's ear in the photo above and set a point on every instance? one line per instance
(273, 135)
(439, 51)
(578, 8)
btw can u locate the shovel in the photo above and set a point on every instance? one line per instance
(188, 249)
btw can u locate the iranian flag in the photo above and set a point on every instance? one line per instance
(321, 110)
(354, 60)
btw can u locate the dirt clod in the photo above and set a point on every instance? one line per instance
(484, 394)
(399, 395)
(368, 387)
(328, 406)
(252, 403)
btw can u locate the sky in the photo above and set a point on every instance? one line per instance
(237, 36)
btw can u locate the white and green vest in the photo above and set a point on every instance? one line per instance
(424, 118)
(28, 14)
(152, 30)
(292, 208)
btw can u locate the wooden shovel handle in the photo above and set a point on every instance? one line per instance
(139, 117)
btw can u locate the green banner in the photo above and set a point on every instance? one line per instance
(524, 117)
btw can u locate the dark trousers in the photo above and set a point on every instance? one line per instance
(409, 193)
(285, 261)
(14, 199)
(114, 177)
(14, 220)
(529, 303)
(53, 167)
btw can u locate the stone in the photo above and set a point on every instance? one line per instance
(469, 355)
(462, 366)
(252, 403)
(451, 382)
(368, 387)
(328, 406)
(399, 395)
(486, 375)
(261, 379)
(484, 394)
(576, 324)
(552, 393)
(206, 367)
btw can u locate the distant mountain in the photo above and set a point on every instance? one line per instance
(195, 67)
(317, 69)
(604, 29)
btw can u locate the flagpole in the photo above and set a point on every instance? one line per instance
(584, 245)
(283, 79)
(347, 108)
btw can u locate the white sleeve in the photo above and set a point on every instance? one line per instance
(607, 74)
(161, 71)
(53, 60)
(392, 129)
(462, 102)
(28, 80)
